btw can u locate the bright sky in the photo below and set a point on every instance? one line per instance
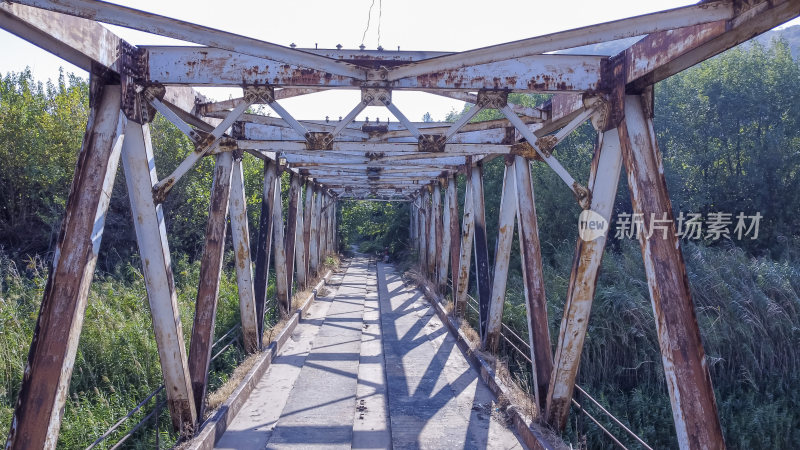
(410, 24)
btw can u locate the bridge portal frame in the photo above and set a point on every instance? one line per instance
(345, 159)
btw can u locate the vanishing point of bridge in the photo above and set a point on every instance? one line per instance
(331, 160)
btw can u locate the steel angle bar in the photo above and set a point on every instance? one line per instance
(162, 188)
(296, 126)
(351, 116)
(172, 117)
(581, 194)
(608, 31)
(402, 118)
(466, 117)
(186, 31)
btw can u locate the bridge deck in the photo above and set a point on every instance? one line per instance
(371, 366)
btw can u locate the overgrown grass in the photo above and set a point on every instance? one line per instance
(117, 362)
(748, 310)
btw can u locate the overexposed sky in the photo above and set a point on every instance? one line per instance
(409, 24)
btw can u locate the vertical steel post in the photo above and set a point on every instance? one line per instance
(264, 247)
(308, 207)
(299, 243)
(481, 249)
(454, 233)
(323, 228)
(240, 234)
(205, 310)
(694, 408)
(505, 237)
(444, 241)
(151, 236)
(279, 244)
(433, 226)
(45, 382)
(603, 181)
(533, 279)
(295, 189)
(423, 230)
(465, 255)
(315, 224)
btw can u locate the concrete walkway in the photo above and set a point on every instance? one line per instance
(369, 367)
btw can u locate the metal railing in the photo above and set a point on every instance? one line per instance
(472, 303)
(160, 403)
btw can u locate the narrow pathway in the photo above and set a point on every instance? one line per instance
(369, 367)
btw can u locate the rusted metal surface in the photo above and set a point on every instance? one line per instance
(618, 29)
(205, 310)
(282, 290)
(694, 408)
(436, 237)
(481, 249)
(465, 253)
(45, 382)
(308, 207)
(313, 252)
(668, 52)
(151, 237)
(264, 246)
(454, 233)
(444, 237)
(300, 242)
(505, 236)
(424, 214)
(295, 189)
(240, 235)
(603, 181)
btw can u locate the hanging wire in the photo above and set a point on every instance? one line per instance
(380, 13)
(369, 16)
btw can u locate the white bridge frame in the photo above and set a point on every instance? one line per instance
(332, 160)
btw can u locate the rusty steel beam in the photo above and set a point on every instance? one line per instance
(205, 311)
(608, 31)
(189, 32)
(481, 248)
(505, 237)
(151, 236)
(425, 199)
(295, 189)
(465, 254)
(264, 245)
(694, 408)
(533, 279)
(314, 250)
(82, 42)
(45, 382)
(443, 238)
(240, 235)
(282, 289)
(300, 243)
(205, 66)
(308, 208)
(454, 233)
(663, 54)
(603, 181)
(435, 232)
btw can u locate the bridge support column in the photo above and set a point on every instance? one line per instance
(505, 237)
(694, 408)
(295, 189)
(603, 181)
(323, 228)
(533, 279)
(423, 230)
(45, 383)
(444, 242)
(299, 242)
(151, 236)
(240, 235)
(264, 247)
(481, 248)
(205, 311)
(433, 227)
(308, 207)
(454, 234)
(279, 243)
(465, 254)
(315, 225)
